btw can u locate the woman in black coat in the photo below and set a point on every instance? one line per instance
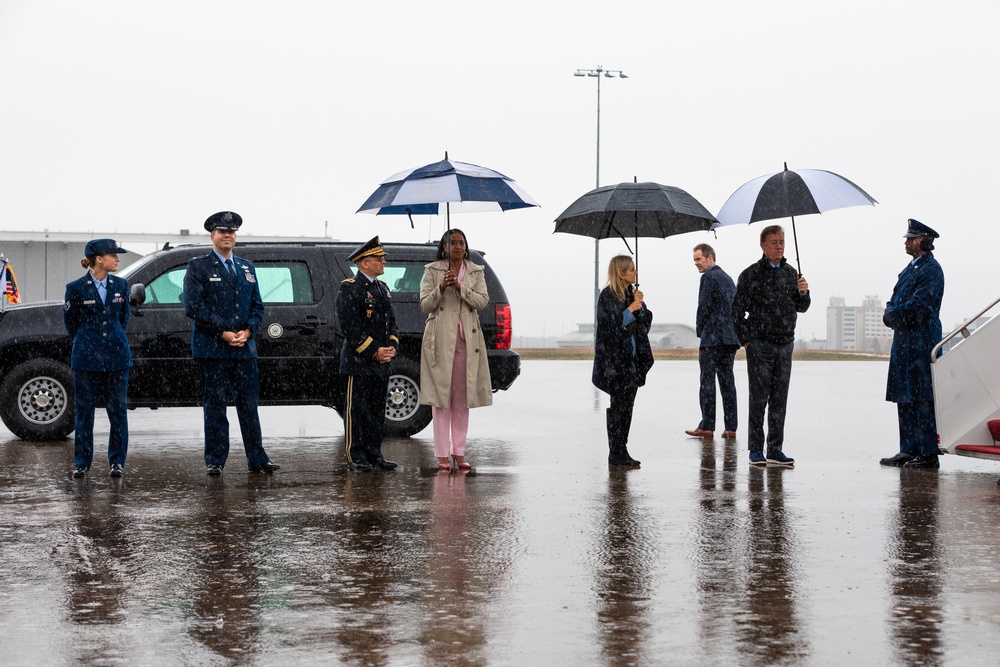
(622, 354)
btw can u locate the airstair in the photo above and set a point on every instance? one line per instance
(966, 380)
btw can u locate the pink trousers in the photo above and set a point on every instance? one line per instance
(453, 420)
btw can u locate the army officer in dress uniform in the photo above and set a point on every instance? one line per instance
(368, 322)
(95, 312)
(221, 295)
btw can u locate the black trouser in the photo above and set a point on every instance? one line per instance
(769, 366)
(620, 416)
(364, 417)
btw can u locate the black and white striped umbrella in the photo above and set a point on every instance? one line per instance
(460, 186)
(789, 193)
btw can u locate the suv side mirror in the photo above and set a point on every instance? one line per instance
(137, 294)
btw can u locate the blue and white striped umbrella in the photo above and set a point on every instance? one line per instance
(460, 186)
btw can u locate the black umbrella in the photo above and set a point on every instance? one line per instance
(635, 209)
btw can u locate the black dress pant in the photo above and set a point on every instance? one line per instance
(620, 415)
(364, 417)
(769, 366)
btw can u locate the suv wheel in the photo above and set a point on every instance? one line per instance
(36, 400)
(404, 416)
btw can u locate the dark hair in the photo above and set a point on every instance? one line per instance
(771, 229)
(446, 238)
(705, 249)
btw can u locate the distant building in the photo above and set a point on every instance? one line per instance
(661, 336)
(857, 328)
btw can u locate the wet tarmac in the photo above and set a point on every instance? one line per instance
(539, 556)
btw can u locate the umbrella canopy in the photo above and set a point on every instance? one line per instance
(460, 186)
(789, 193)
(635, 209)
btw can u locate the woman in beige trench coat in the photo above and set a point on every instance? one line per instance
(454, 369)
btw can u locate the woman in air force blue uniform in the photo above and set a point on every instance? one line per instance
(95, 312)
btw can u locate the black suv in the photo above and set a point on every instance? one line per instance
(298, 346)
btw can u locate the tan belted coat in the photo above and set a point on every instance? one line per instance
(437, 353)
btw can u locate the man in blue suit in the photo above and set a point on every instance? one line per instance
(913, 313)
(368, 323)
(222, 296)
(95, 313)
(718, 345)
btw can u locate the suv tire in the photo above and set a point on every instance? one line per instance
(36, 400)
(404, 416)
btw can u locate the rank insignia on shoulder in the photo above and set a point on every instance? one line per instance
(347, 280)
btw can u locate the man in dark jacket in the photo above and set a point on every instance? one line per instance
(913, 315)
(718, 342)
(222, 297)
(368, 322)
(769, 295)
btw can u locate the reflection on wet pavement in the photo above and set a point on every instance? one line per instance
(540, 555)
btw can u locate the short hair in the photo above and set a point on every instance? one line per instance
(771, 229)
(446, 239)
(706, 250)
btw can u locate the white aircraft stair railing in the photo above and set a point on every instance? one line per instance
(966, 380)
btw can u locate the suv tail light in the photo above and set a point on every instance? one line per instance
(505, 333)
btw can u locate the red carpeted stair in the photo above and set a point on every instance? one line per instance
(985, 451)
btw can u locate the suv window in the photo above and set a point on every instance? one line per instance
(403, 277)
(166, 287)
(284, 282)
(279, 282)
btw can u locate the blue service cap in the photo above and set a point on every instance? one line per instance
(97, 247)
(915, 228)
(226, 220)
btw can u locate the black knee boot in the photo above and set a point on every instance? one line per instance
(617, 450)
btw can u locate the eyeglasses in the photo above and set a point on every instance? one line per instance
(377, 259)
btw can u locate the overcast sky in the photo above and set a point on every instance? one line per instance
(149, 116)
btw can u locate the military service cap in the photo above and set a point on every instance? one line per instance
(915, 228)
(225, 220)
(370, 249)
(96, 247)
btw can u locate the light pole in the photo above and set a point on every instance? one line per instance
(598, 74)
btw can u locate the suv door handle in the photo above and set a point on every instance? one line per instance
(312, 321)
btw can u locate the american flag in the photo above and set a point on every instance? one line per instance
(9, 284)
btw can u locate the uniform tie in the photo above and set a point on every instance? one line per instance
(232, 269)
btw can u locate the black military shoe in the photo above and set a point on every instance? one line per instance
(267, 468)
(213, 470)
(897, 461)
(386, 465)
(360, 466)
(923, 462)
(117, 470)
(80, 471)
